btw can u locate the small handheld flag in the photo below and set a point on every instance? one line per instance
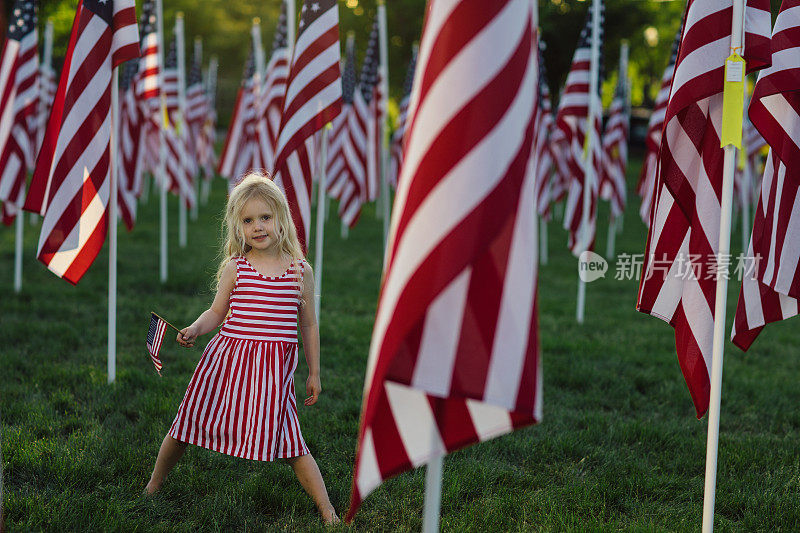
(155, 336)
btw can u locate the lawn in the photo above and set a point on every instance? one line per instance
(619, 447)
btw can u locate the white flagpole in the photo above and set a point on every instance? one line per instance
(589, 177)
(384, 130)
(433, 495)
(19, 225)
(197, 56)
(729, 164)
(112, 232)
(323, 161)
(543, 241)
(180, 122)
(291, 22)
(162, 159)
(748, 176)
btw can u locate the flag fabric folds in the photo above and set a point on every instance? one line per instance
(681, 263)
(240, 152)
(396, 148)
(347, 166)
(130, 146)
(454, 352)
(148, 91)
(647, 180)
(771, 281)
(197, 111)
(615, 153)
(270, 104)
(370, 108)
(176, 133)
(584, 165)
(47, 93)
(543, 144)
(155, 336)
(19, 98)
(313, 98)
(71, 183)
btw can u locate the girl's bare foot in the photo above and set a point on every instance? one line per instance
(330, 517)
(151, 488)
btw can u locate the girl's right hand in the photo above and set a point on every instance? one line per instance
(186, 337)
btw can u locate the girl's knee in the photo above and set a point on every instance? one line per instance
(175, 442)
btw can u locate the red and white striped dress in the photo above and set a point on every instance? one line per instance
(241, 398)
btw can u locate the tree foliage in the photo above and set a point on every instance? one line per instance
(224, 27)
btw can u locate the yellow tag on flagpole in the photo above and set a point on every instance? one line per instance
(741, 160)
(733, 102)
(165, 114)
(586, 142)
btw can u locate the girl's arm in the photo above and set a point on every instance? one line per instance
(310, 333)
(212, 317)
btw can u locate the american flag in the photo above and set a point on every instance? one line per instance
(197, 110)
(147, 90)
(681, 264)
(176, 133)
(313, 98)
(454, 352)
(751, 156)
(19, 98)
(572, 119)
(240, 152)
(270, 104)
(47, 86)
(559, 149)
(71, 183)
(647, 179)
(398, 135)
(206, 156)
(155, 336)
(615, 153)
(770, 290)
(347, 147)
(130, 146)
(372, 112)
(545, 126)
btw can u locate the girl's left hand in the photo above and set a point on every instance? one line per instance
(313, 388)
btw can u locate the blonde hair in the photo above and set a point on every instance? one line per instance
(255, 185)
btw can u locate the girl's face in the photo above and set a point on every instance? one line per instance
(258, 224)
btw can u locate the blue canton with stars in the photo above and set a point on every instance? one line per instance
(102, 8)
(23, 19)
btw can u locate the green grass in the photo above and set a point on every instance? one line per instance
(619, 447)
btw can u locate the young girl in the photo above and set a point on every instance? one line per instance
(241, 398)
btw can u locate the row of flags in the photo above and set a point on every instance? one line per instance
(70, 185)
(20, 124)
(354, 141)
(578, 161)
(455, 352)
(454, 357)
(685, 181)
